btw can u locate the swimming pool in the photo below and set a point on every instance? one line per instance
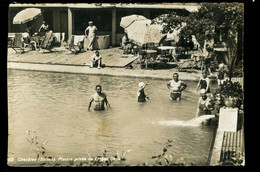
(55, 106)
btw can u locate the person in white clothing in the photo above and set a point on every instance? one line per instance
(91, 35)
(96, 60)
(176, 87)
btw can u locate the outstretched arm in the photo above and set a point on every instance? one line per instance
(40, 28)
(168, 86)
(90, 103)
(198, 85)
(197, 112)
(86, 31)
(184, 86)
(107, 104)
(207, 80)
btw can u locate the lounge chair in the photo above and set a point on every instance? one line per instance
(47, 41)
(18, 43)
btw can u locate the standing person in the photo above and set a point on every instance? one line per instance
(176, 87)
(99, 99)
(43, 29)
(205, 105)
(96, 60)
(141, 97)
(204, 82)
(91, 34)
(221, 74)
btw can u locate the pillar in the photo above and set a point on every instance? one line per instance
(113, 26)
(56, 20)
(70, 23)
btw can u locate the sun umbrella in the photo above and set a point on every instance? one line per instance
(128, 20)
(26, 15)
(141, 32)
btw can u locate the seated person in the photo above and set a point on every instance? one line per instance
(96, 60)
(126, 45)
(27, 39)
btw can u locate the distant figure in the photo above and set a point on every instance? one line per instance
(208, 51)
(204, 82)
(140, 94)
(27, 40)
(126, 45)
(176, 87)
(124, 40)
(205, 105)
(96, 60)
(43, 29)
(221, 74)
(91, 34)
(99, 99)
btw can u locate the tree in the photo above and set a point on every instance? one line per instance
(223, 20)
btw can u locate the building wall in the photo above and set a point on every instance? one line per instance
(61, 20)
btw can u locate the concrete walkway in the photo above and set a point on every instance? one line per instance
(61, 61)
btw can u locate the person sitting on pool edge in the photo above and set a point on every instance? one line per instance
(99, 99)
(176, 87)
(141, 97)
(96, 60)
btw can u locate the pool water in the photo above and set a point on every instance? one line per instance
(55, 107)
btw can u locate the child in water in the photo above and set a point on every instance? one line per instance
(140, 94)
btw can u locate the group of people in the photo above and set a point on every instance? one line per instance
(175, 86)
(29, 40)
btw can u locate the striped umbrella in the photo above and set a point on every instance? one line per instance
(26, 15)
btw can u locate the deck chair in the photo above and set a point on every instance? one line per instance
(47, 41)
(18, 43)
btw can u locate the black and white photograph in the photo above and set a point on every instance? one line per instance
(125, 84)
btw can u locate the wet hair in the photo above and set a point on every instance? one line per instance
(98, 86)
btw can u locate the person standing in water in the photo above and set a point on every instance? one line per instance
(99, 99)
(176, 87)
(204, 82)
(205, 105)
(140, 94)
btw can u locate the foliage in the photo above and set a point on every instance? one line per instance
(107, 158)
(168, 159)
(233, 90)
(234, 66)
(227, 17)
(235, 159)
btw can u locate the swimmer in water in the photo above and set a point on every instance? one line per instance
(204, 82)
(176, 87)
(140, 94)
(99, 99)
(205, 104)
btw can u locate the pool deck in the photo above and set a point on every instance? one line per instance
(61, 60)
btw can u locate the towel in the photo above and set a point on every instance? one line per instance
(78, 38)
(57, 35)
